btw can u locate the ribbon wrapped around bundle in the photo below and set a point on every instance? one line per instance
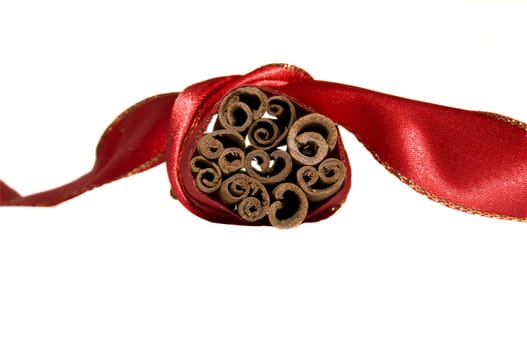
(265, 149)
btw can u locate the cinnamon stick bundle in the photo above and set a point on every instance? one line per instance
(266, 160)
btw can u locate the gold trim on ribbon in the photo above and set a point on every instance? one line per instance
(505, 119)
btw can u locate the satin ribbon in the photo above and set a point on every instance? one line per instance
(472, 161)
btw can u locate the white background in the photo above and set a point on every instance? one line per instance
(127, 267)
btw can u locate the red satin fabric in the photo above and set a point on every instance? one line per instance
(472, 161)
(134, 142)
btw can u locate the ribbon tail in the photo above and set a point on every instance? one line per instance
(472, 161)
(134, 142)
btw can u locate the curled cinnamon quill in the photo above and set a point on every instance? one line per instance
(231, 160)
(268, 176)
(268, 133)
(322, 182)
(274, 168)
(311, 139)
(240, 108)
(208, 174)
(290, 206)
(247, 196)
(212, 145)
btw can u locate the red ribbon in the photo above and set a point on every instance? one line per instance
(472, 161)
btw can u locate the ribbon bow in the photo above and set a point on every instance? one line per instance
(471, 161)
